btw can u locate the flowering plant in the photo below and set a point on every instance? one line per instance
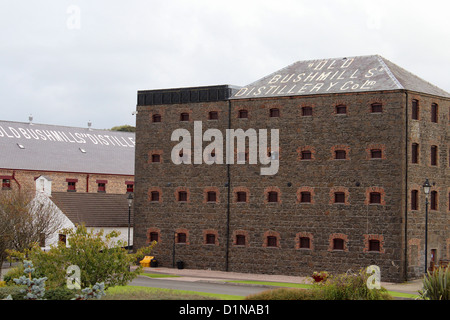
(320, 276)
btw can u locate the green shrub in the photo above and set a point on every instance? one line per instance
(14, 291)
(436, 285)
(286, 294)
(352, 286)
(61, 293)
(13, 273)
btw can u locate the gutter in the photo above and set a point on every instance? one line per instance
(14, 178)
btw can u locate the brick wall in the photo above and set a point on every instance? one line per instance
(356, 221)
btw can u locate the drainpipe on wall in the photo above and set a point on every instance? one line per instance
(14, 178)
(87, 183)
(228, 197)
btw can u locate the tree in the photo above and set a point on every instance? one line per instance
(99, 256)
(25, 219)
(125, 128)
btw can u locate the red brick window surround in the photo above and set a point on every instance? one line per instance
(375, 195)
(306, 153)
(240, 238)
(182, 194)
(211, 195)
(340, 152)
(376, 151)
(211, 237)
(338, 242)
(272, 195)
(154, 195)
(305, 195)
(155, 156)
(304, 241)
(241, 194)
(182, 236)
(373, 243)
(271, 239)
(153, 234)
(339, 195)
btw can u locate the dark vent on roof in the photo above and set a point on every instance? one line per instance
(185, 95)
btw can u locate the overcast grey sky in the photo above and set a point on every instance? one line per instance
(71, 61)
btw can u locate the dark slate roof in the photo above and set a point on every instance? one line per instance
(339, 75)
(94, 209)
(66, 149)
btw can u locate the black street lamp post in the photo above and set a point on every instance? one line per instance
(130, 202)
(426, 190)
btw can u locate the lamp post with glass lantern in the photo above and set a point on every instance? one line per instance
(426, 190)
(130, 202)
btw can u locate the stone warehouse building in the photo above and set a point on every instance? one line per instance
(358, 137)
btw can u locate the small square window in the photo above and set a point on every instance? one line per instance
(241, 196)
(130, 187)
(307, 111)
(243, 114)
(340, 154)
(339, 197)
(154, 236)
(184, 117)
(272, 241)
(338, 244)
(181, 237)
(154, 196)
(101, 187)
(240, 240)
(274, 113)
(156, 118)
(71, 186)
(375, 197)
(182, 196)
(211, 196)
(213, 115)
(376, 107)
(305, 197)
(374, 245)
(376, 154)
(341, 109)
(306, 155)
(210, 238)
(272, 196)
(156, 158)
(305, 243)
(6, 184)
